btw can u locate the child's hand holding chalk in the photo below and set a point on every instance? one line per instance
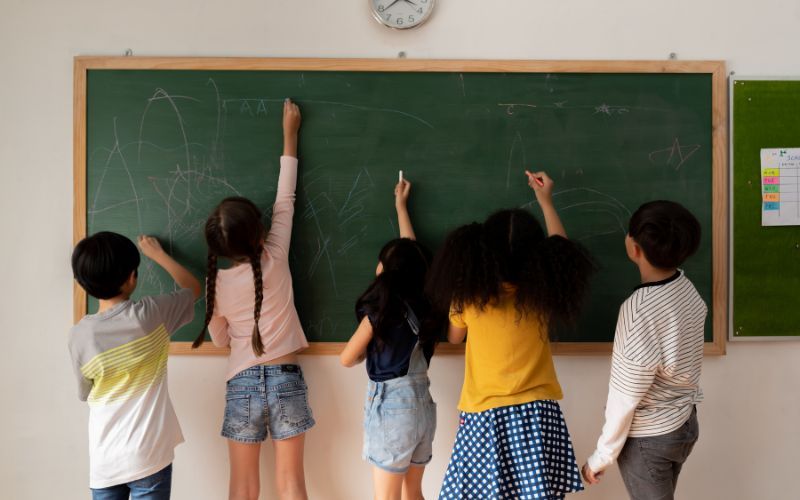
(541, 183)
(401, 191)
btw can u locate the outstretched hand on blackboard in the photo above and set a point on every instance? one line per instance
(542, 186)
(401, 192)
(541, 183)
(291, 125)
(151, 248)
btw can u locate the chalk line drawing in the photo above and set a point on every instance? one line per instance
(332, 103)
(579, 199)
(674, 156)
(514, 144)
(602, 108)
(610, 110)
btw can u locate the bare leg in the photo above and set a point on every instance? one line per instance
(388, 486)
(244, 482)
(289, 473)
(412, 483)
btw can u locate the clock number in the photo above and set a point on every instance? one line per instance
(424, 1)
(388, 17)
(411, 19)
(419, 11)
(399, 21)
(381, 8)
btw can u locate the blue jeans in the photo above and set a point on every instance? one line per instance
(154, 487)
(650, 465)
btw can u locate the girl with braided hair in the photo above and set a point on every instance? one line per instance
(250, 307)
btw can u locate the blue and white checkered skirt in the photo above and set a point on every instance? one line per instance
(513, 452)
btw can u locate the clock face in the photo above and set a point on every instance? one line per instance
(401, 14)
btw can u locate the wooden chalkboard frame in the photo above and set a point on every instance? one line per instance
(732, 337)
(716, 69)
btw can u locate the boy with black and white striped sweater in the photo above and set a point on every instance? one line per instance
(651, 421)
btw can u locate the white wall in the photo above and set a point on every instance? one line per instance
(749, 423)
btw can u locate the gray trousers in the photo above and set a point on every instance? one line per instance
(650, 465)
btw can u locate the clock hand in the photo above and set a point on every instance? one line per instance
(391, 5)
(409, 1)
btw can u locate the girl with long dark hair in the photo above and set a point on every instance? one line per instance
(396, 335)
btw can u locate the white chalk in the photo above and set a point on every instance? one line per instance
(401, 176)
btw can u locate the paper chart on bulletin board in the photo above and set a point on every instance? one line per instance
(780, 187)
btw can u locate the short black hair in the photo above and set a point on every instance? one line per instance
(667, 232)
(103, 262)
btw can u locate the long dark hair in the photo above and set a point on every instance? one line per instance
(550, 275)
(405, 266)
(234, 230)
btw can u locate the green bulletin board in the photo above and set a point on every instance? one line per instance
(765, 264)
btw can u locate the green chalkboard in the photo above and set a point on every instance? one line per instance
(766, 260)
(163, 146)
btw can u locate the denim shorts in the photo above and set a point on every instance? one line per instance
(399, 423)
(266, 400)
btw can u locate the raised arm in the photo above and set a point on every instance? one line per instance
(152, 248)
(291, 126)
(280, 232)
(401, 192)
(542, 186)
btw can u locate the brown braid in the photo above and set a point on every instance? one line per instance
(255, 262)
(211, 286)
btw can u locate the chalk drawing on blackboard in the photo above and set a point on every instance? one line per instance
(357, 107)
(674, 156)
(592, 201)
(158, 95)
(516, 143)
(601, 109)
(610, 110)
(547, 79)
(117, 151)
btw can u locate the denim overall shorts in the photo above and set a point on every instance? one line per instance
(400, 419)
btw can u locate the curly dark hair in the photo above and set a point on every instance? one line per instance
(405, 266)
(477, 261)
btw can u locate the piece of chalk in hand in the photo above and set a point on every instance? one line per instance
(538, 180)
(401, 176)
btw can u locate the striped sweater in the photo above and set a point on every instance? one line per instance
(655, 368)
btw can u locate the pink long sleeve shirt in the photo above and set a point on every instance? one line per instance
(232, 322)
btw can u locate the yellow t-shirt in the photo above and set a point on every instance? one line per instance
(508, 358)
